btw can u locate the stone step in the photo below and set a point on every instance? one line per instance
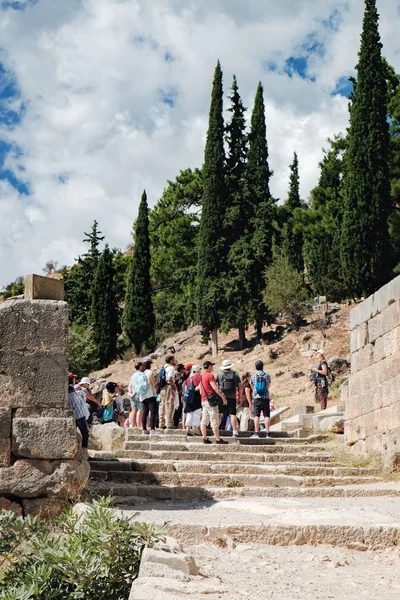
(169, 466)
(242, 457)
(227, 480)
(292, 521)
(262, 440)
(200, 447)
(129, 493)
(132, 433)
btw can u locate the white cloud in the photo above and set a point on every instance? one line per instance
(92, 74)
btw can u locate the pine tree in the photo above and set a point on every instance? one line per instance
(104, 310)
(212, 248)
(238, 222)
(78, 280)
(293, 240)
(367, 205)
(263, 205)
(138, 319)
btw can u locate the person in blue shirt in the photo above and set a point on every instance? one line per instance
(260, 383)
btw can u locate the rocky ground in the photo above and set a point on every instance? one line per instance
(299, 573)
(286, 355)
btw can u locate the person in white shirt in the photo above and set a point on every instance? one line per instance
(149, 401)
(168, 391)
(135, 416)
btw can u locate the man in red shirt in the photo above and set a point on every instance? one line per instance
(210, 414)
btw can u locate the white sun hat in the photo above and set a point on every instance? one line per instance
(84, 380)
(226, 365)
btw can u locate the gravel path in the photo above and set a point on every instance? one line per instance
(299, 573)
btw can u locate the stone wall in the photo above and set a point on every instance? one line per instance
(40, 455)
(372, 396)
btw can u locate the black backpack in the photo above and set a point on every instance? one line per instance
(229, 381)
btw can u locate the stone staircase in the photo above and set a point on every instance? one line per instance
(180, 468)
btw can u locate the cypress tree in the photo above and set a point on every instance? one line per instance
(212, 252)
(104, 310)
(263, 205)
(367, 204)
(322, 226)
(138, 320)
(293, 240)
(238, 222)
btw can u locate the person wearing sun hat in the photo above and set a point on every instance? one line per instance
(228, 382)
(91, 401)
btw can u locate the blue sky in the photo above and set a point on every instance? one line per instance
(102, 98)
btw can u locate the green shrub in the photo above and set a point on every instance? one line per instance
(95, 556)
(285, 291)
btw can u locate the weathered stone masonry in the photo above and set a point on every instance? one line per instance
(372, 396)
(39, 448)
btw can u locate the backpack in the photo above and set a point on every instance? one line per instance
(261, 385)
(330, 378)
(229, 381)
(162, 380)
(140, 384)
(190, 393)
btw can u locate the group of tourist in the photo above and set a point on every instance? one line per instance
(185, 395)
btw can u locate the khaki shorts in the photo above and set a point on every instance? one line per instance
(210, 415)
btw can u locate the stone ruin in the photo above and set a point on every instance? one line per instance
(41, 462)
(372, 396)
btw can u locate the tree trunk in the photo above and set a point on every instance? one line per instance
(259, 325)
(242, 338)
(214, 342)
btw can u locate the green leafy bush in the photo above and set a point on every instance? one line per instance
(285, 292)
(93, 556)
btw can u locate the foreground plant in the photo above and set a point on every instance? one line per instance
(73, 557)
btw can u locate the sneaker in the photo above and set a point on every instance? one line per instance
(267, 435)
(255, 435)
(155, 432)
(221, 441)
(190, 434)
(235, 433)
(207, 441)
(145, 432)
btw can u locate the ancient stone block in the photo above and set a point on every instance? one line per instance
(394, 290)
(380, 300)
(35, 325)
(358, 337)
(44, 288)
(35, 478)
(391, 391)
(354, 362)
(5, 436)
(179, 561)
(362, 313)
(303, 410)
(36, 378)
(107, 437)
(389, 368)
(374, 328)
(365, 357)
(391, 317)
(48, 412)
(371, 400)
(44, 438)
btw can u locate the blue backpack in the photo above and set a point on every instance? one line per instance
(261, 385)
(190, 393)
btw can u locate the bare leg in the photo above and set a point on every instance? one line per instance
(139, 418)
(204, 431)
(257, 424)
(267, 421)
(132, 418)
(216, 433)
(234, 422)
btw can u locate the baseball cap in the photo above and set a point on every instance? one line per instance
(207, 364)
(188, 366)
(71, 374)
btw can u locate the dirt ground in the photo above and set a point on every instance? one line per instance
(299, 573)
(295, 351)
